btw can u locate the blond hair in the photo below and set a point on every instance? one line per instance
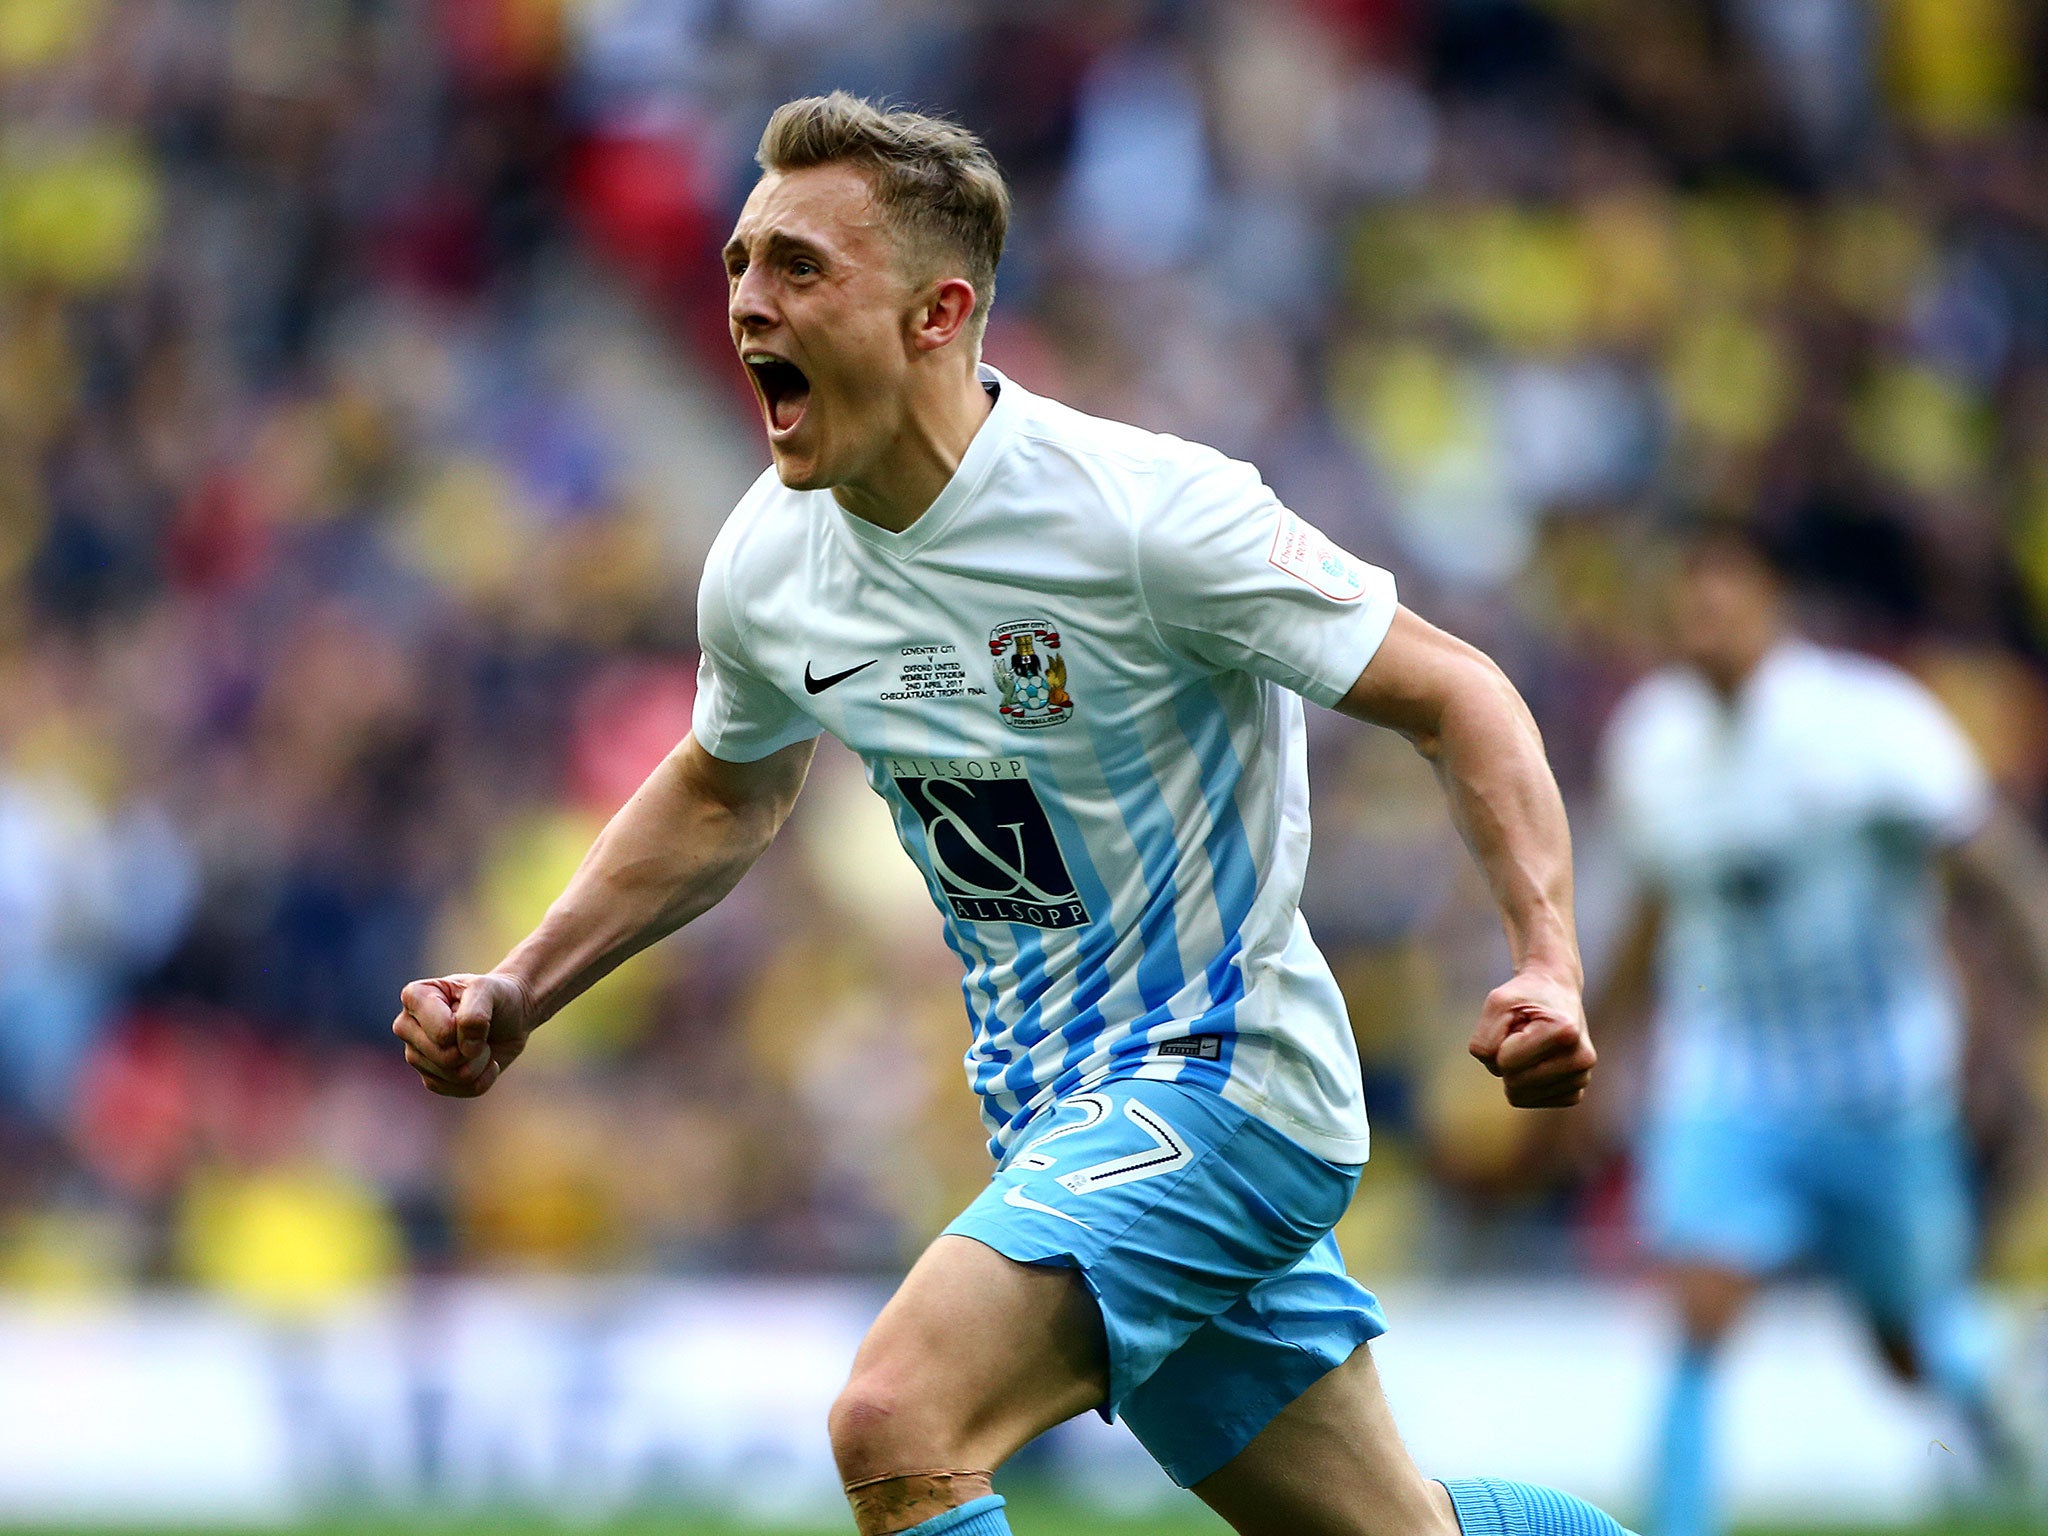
(936, 183)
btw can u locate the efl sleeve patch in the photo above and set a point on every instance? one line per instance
(1307, 555)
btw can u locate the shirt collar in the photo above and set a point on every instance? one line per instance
(990, 439)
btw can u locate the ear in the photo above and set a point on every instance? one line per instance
(947, 308)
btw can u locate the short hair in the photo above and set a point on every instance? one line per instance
(934, 180)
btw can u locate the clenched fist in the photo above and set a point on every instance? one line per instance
(461, 1032)
(1532, 1035)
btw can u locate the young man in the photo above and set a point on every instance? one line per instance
(1070, 653)
(1789, 810)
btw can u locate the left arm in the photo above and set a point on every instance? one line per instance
(2006, 863)
(1463, 715)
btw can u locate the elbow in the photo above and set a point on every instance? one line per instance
(1432, 687)
(1500, 694)
(1475, 695)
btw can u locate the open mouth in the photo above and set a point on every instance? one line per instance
(784, 389)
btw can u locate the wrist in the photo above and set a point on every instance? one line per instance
(1558, 963)
(534, 1005)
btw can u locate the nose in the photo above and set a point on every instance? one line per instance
(748, 304)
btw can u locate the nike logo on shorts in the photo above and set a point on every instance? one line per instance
(820, 684)
(1015, 1195)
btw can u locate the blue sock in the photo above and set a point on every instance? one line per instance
(1490, 1506)
(1683, 1503)
(1957, 1344)
(977, 1517)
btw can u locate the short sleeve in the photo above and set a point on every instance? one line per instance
(740, 716)
(1647, 757)
(1926, 773)
(1621, 751)
(1234, 581)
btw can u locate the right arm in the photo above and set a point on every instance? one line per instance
(671, 853)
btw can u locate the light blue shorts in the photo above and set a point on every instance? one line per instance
(1204, 1235)
(1880, 1203)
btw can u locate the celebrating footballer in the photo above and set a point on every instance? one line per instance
(1072, 656)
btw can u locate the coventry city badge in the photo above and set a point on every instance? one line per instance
(1031, 674)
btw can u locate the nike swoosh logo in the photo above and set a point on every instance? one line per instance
(820, 684)
(1016, 1196)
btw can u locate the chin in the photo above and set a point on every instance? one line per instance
(798, 474)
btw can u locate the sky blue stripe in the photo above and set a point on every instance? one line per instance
(1030, 990)
(1797, 1053)
(1125, 1053)
(1234, 875)
(1777, 987)
(1923, 991)
(1824, 989)
(1148, 819)
(1746, 1048)
(1233, 883)
(1882, 1062)
(1095, 946)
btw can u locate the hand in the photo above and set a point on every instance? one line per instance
(1532, 1035)
(461, 1032)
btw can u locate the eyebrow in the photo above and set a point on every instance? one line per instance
(778, 243)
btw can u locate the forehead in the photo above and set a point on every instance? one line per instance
(830, 206)
(1727, 562)
(1719, 574)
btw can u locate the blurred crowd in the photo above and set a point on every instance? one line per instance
(366, 409)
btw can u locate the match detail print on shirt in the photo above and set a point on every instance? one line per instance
(991, 843)
(930, 670)
(1307, 555)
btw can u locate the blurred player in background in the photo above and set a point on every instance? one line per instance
(1072, 656)
(1791, 812)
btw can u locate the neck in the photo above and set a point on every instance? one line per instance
(1730, 678)
(939, 421)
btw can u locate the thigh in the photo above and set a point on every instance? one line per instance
(1722, 1194)
(1172, 1205)
(974, 1356)
(1243, 1368)
(1331, 1464)
(1900, 1230)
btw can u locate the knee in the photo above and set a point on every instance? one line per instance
(866, 1424)
(878, 1428)
(1710, 1302)
(898, 1464)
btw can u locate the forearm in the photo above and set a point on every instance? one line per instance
(671, 853)
(1463, 715)
(1489, 756)
(2007, 864)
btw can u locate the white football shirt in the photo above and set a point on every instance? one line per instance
(1074, 680)
(1793, 838)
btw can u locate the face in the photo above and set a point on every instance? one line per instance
(823, 316)
(1725, 614)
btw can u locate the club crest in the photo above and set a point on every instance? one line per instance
(1031, 675)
